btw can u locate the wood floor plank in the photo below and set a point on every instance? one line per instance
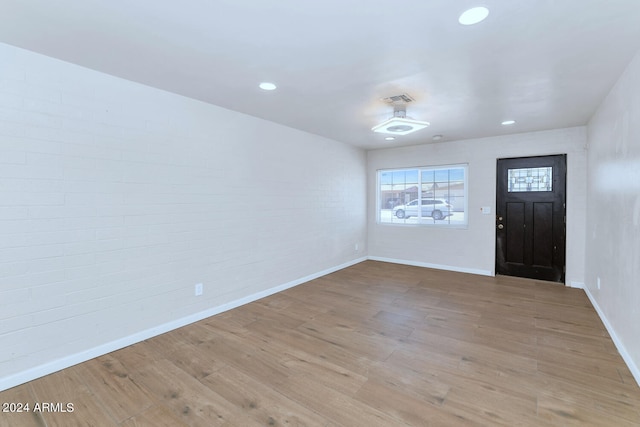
(87, 411)
(374, 348)
(364, 324)
(625, 374)
(156, 416)
(119, 394)
(69, 386)
(17, 415)
(396, 402)
(257, 402)
(375, 344)
(299, 342)
(60, 386)
(337, 407)
(322, 370)
(418, 382)
(490, 404)
(581, 397)
(188, 399)
(138, 355)
(597, 346)
(576, 361)
(614, 388)
(565, 413)
(196, 360)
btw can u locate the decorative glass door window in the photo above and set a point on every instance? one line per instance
(530, 179)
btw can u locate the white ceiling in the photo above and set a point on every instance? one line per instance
(545, 63)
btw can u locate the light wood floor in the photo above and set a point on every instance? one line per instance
(375, 344)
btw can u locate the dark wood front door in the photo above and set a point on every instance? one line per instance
(530, 217)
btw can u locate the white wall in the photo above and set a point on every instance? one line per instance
(116, 199)
(473, 249)
(613, 220)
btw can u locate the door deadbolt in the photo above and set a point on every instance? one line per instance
(500, 226)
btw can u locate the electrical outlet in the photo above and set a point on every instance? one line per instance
(356, 247)
(198, 289)
(598, 282)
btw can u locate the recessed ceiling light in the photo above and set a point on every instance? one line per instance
(267, 86)
(437, 137)
(473, 15)
(508, 122)
(390, 138)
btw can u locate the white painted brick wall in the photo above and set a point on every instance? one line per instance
(116, 198)
(613, 214)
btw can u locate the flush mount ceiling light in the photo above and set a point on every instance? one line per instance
(268, 86)
(474, 15)
(399, 124)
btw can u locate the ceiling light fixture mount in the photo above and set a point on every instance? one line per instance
(399, 124)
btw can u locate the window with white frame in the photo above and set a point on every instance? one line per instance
(432, 195)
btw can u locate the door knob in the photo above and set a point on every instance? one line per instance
(500, 226)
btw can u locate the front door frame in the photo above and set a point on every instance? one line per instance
(557, 272)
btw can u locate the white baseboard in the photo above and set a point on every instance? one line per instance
(73, 359)
(436, 266)
(635, 371)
